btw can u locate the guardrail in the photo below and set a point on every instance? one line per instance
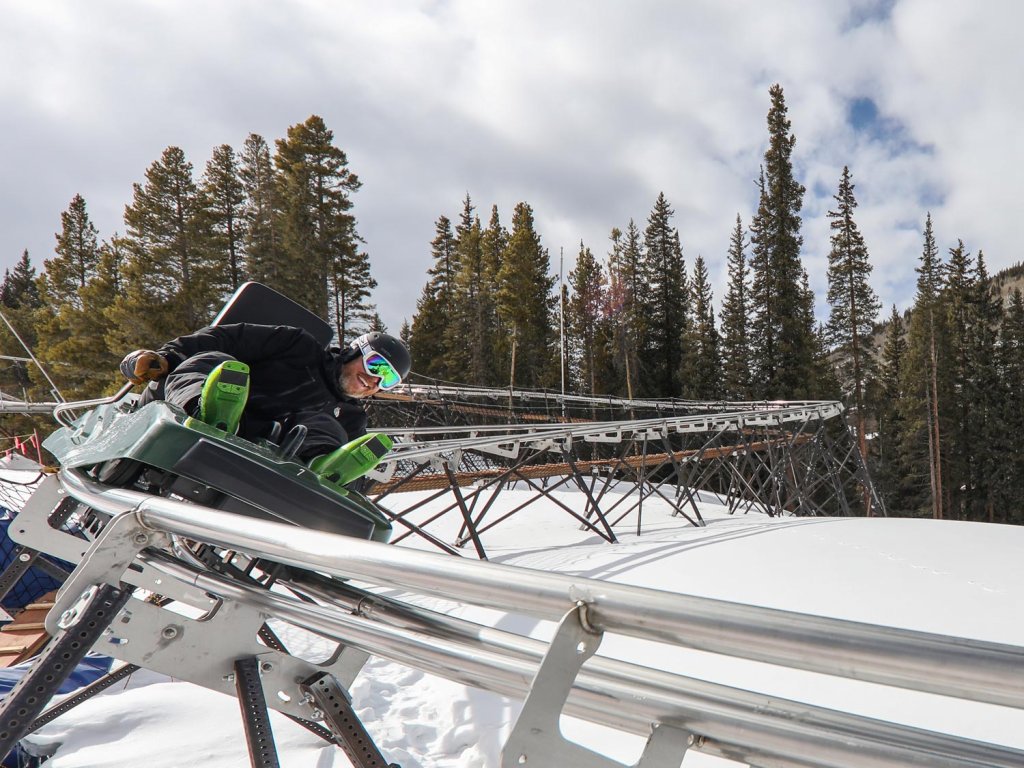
(741, 725)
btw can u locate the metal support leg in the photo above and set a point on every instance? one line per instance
(258, 734)
(81, 626)
(350, 733)
(536, 739)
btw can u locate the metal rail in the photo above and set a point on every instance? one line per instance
(730, 723)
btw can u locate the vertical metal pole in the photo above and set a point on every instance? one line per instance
(258, 735)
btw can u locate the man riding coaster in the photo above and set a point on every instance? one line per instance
(242, 378)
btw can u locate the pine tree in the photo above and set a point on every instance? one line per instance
(350, 286)
(991, 442)
(782, 332)
(261, 228)
(667, 305)
(706, 367)
(888, 456)
(223, 197)
(435, 306)
(627, 287)
(19, 289)
(525, 304)
(321, 247)
(87, 354)
(472, 326)
(169, 274)
(734, 321)
(59, 323)
(586, 322)
(1011, 342)
(925, 384)
(854, 307)
(77, 252)
(493, 242)
(958, 298)
(20, 303)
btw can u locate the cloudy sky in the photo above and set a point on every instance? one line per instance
(585, 109)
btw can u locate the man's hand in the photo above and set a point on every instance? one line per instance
(143, 365)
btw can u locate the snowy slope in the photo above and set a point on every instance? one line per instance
(954, 578)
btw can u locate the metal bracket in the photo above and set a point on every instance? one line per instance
(536, 739)
(23, 558)
(199, 645)
(107, 561)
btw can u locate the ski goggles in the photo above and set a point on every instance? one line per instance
(378, 366)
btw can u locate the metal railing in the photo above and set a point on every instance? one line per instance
(755, 728)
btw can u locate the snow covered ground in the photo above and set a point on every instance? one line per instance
(945, 577)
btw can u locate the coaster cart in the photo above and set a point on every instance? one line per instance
(124, 454)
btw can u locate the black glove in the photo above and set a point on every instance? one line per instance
(143, 365)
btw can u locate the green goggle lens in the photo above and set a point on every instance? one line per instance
(377, 365)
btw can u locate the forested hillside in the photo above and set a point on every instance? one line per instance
(935, 396)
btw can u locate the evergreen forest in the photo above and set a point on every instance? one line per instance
(935, 395)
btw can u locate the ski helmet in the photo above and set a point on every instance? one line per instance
(391, 349)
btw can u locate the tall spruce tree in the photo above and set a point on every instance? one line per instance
(435, 305)
(586, 323)
(706, 366)
(20, 302)
(1011, 342)
(471, 327)
(627, 287)
(170, 284)
(925, 384)
(325, 266)
(854, 307)
(60, 321)
(526, 304)
(493, 241)
(888, 457)
(735, 322)
(261, 226)
(667, 303)
(986, 396)
(223, 197)
(350, 287)
(958, 299)
(77, 252)
(783, 326)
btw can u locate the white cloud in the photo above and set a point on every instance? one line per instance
(586, 110)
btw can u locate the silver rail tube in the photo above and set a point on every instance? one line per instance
(736, 724)
(958, 667)
(60, 412)
(467, 392)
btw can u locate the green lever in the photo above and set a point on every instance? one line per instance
(352, 460)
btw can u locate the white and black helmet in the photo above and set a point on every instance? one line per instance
(393, 350)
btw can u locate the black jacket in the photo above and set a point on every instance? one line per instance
(292, 380)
